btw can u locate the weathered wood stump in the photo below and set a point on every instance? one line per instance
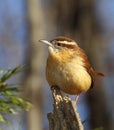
(64, 115)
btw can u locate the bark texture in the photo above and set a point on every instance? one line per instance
(64, 115)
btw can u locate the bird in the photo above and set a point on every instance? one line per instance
(68, 66)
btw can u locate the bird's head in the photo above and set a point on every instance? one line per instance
(60, 43)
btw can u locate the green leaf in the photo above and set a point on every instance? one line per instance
(2, 119)
(14, 89)
(1, 72)
(10, 100)
(11, 72)
(12, 111)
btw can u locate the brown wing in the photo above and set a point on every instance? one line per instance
(88, 67)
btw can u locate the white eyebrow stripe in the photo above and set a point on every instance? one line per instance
(65, 42)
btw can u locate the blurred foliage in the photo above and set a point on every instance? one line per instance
(11, 100)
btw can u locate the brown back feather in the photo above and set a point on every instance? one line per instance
(88, 67)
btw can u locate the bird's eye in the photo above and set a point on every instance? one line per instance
(58, 44)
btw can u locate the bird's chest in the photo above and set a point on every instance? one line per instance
(54, 71)
(68, 75)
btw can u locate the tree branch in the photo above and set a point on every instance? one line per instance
(64, 116)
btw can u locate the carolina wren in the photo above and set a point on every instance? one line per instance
(68, 66)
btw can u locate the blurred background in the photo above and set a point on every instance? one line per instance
(90, 23)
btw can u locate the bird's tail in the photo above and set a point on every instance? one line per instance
(98, 73)
(95, 73)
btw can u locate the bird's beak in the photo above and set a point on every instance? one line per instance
(46, 42)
